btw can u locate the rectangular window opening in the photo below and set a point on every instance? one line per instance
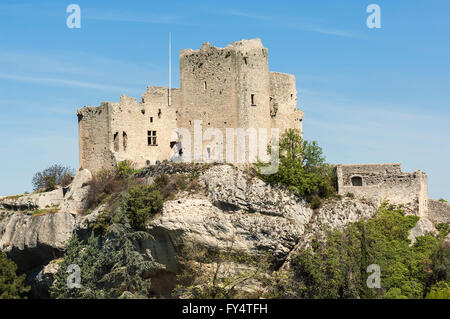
(151, 138)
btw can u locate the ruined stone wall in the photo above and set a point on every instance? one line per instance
(93, 137)
(379, 182)
(131, 123)
(208, 89)
(438, 212)
(225, 88)
(118, 131)
(283, 102)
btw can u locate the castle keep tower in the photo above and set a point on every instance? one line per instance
(220, 89)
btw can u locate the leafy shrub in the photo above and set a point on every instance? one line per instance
(11, 285)
(315, 202)
(104, 184)
(302, 168)
(440, 290)
(124, 169)
(444, 229)
(141, 203)
(168, 186)
(442, 200)
(52, 176)
(162, 180)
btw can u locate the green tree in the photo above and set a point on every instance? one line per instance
(336, 268)
(141, 203)
(52, 176)
(11, 285)
(111, 267)
(302, 168)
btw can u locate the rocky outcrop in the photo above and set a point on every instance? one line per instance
(230, 188)
(337, 214)
(424, 226)
(34, 201)
(70, 199)
(35, 240)
(76, 197)
(198, 221)
(41, 280)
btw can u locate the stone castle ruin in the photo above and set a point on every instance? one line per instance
(220, 89)
(379, 182)
(224, 89)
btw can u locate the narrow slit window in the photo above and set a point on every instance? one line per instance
(205, 86)
(116, 142)
(151, 119)
(252, 98)
(125, 140)
(159, 113)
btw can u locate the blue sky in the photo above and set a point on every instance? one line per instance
(369, 95)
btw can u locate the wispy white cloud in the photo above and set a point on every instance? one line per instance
(328, 31)
(63, 82)
(298, 25)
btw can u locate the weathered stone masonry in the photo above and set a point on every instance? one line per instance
(223, 88)
(379, 182)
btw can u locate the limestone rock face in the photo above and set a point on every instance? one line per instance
(237, 211)
(423, 227)
(198, 221)
(76, 197)
(33, 241)
(230, 188)
(34, 201)
(335, 214)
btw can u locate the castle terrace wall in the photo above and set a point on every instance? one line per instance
(438, 212)
(379, 182)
